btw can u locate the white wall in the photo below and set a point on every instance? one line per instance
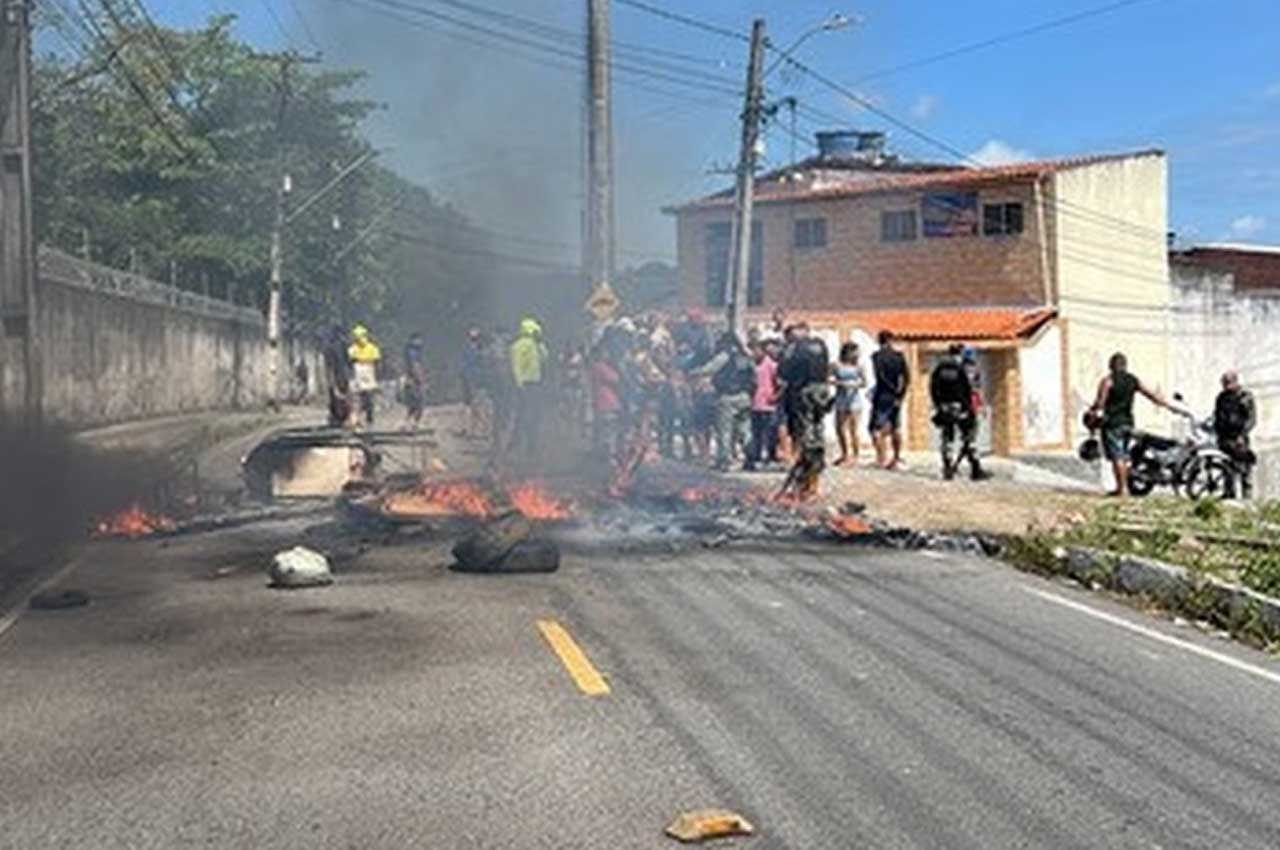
(1041, 367)
(1214, 331)
(1109, 248)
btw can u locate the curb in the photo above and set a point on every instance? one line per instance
(1177, 587)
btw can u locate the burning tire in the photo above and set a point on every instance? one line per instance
(504, 546)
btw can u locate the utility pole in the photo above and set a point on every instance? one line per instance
(743, 200)
(283, 187)
(18, 306)
(598, 250)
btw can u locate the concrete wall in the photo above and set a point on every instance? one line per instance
(1107, 228)
(116, 347)
(856, 270)
(1218, 327)
(1042, 402)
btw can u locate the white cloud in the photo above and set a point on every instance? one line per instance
(997, 152)
(1272, 90)
(1248, 226)
(925, 107)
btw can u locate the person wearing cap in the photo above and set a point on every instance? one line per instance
(528, 364)
(365, 355)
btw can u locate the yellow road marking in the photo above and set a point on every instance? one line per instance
(587, 677)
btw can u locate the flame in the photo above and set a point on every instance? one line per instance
(699, 494)
(532, 500)
(459, 498)
(134, 523)
(849, 526)
(464, 498)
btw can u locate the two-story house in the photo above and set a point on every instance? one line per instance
(1045, 267)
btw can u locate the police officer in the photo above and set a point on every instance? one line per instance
(954, 413)
(1234, 416)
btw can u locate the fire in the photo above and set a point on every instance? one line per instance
(464, 498)
(693, 495)
(134, 523)
(535, 502)
(460, 498)
(849, 526)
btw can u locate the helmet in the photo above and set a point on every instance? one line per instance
(1090, 450)
(1092, 419)
(360, 332)
(529, 327)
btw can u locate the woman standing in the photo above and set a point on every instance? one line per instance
(850, 380)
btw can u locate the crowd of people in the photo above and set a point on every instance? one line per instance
(684, 388)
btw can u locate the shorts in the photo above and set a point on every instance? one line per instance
(1115, 442)
(886, 415)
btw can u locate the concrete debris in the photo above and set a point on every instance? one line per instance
(299, 567)
(708, 824)
(55, 600)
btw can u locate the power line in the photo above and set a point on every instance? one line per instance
(279, 23)
(1002, 38)
(306, 25)
(686, 21)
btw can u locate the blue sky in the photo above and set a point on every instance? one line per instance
(497, 133)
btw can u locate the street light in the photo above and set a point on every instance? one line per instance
(834, 23)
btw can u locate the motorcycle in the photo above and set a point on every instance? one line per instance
(1194, 466)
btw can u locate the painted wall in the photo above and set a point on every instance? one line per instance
(1042, 412)
(116, 347)
(1108, 225)
(858, 270)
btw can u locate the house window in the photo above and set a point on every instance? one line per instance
(1001, 219)
(719, 242)
(898, 226)
(811, 234)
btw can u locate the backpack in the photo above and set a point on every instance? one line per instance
(736, 377)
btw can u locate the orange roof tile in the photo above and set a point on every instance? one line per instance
(960, 177)
(998, 323)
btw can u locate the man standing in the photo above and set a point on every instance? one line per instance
(415, 381)
(528, 363)
(764, 405)
(365, 355)
(1115, 404)
(1234, 416)
(805, 368)
(733, 377)
(953, 405)
(337, 373)
(892, 381)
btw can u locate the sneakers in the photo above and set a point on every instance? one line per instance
(980, 475)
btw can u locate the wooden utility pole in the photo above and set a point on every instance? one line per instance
(740, 256)
(598, 251)
(18, 307)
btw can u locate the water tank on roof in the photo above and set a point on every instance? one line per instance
(851, 144)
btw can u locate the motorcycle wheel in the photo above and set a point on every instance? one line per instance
(1210, 478)
(1139, 484)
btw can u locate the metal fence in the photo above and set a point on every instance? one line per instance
(71, 271)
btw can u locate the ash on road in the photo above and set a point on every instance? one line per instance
(836, 697)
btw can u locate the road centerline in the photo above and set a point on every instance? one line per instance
(575, 661)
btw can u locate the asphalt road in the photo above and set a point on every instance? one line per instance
(839, 698)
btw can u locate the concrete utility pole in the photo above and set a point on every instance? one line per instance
(283, 187)
(18, 306)
(598, 251)
(740, 249)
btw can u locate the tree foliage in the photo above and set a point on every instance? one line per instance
(162, 149)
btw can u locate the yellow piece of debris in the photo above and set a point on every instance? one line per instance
(707, 824)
